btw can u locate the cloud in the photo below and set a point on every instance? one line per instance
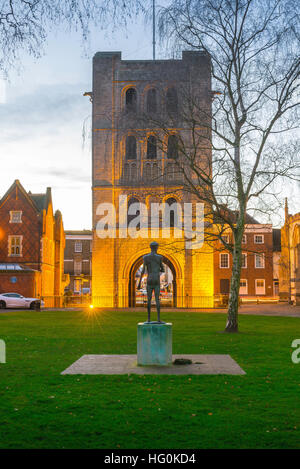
(46, 111)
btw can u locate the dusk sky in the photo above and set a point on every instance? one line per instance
(43, 112)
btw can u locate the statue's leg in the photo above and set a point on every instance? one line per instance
(157, 292)
(149, 294)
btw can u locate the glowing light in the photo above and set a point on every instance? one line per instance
(91, 306)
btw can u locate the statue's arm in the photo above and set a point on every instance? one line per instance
(162, 269)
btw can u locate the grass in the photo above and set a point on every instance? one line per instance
(39, 408)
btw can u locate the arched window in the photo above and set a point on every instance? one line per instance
(127, 172)
(172, 147)
(131, 100)
(170, 171)
(151, 148)
(133, 172)
(171, 101)
(174, 211)
(147, 171)
(155, 173)
(130, 148)
(151, 101)
(132, 201)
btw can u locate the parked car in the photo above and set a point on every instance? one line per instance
(15, 300)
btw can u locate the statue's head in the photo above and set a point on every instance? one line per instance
(154, 246)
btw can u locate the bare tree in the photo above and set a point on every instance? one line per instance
(24, 24)
(251, 126)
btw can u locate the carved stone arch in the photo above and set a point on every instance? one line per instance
(124, 95)
(136, 261)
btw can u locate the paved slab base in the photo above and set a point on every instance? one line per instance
(127, 364)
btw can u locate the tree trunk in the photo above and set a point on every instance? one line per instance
(233, 305)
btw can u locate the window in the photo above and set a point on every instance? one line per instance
(224, 286)
(77, 286)
(78, 246)
(172, 147)
(151, 148)
(243, 287)
(147, 171)
(151, 101)
(136, 213)
(260, 288)
(259, 261)
(130, 148)
(224, 260)
(173, 212)
(155, 172)
(133, 174)
(131, 100)
(77, 267)
(244, 239)
(259, 239)
(15, 216)
(171, 101)
(244, 260)
(15, 245)
(170, 171)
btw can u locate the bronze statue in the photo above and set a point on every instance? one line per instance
(153, 264)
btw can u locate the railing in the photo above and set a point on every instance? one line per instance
(190, 302)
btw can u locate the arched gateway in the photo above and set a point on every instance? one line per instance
(168, 285)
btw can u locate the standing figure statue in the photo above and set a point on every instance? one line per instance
(153, 264)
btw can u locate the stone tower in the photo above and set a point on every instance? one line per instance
(128, 160)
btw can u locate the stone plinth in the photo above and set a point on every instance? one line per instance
(154, 344)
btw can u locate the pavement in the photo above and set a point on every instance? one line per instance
(274, 309)
(127, 364)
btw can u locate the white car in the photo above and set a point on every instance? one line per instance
(15, 300)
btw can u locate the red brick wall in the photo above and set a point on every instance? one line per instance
(250, 273)
(28, 283)
(29, 229)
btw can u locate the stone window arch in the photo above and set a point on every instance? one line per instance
(131, 201)
(147, 171)
(151, 148)
(130, 148)
(174, 212)
(131, 100)
(172, 150)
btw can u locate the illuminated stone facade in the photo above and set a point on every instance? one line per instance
(289, 264)
(126, 161)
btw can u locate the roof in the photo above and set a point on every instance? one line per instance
(232, 215)
(41, 200)
(38, 201)
(78, 232)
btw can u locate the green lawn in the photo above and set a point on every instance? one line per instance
(39, 408)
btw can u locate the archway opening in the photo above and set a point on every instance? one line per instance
(168, 290)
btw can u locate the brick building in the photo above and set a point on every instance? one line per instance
(257, 262)
(78, 261)
(276, 259)
(128, 161)
(31, 244)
